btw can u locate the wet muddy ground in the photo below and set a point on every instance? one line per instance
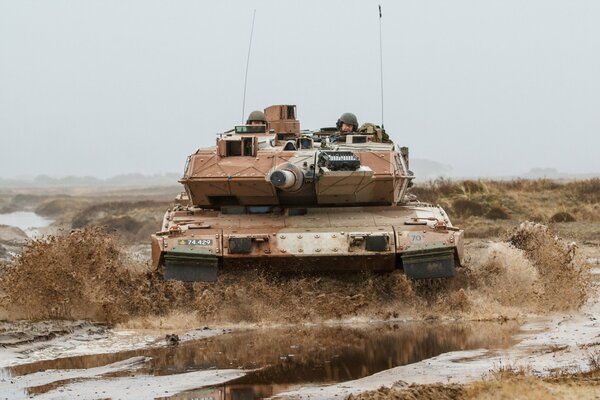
(272, 360)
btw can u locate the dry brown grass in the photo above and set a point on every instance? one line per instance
(504, 382)
(586, 190)
(520, 388)
(467, 208)
(435, 391)
(486, 208)
(529, 185)
(495, 213)
(530, 388)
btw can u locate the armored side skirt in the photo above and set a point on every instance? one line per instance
(384, 262)
(427, 264)
(190, 267)
(196, 268)
(416, 265)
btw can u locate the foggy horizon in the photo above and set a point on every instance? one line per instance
(111, 88)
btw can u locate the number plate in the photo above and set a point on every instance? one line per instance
(195, 242)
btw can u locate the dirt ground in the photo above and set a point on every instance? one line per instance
(88, 289)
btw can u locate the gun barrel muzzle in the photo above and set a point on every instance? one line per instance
(283, 179)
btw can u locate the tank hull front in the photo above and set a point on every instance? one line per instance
(196, 244)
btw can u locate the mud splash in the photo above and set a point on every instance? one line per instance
(85, 275)
(564, 281)
(533, 271)
(291, 299)
(81, 275)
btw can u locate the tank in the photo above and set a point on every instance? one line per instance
(275, 197)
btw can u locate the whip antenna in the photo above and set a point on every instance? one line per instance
(247, 64)
(381, 65)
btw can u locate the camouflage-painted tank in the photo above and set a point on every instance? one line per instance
(273, 196)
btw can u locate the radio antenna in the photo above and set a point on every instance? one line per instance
(381, 66)
(247, 64)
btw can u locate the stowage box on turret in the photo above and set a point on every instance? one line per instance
(273, 196)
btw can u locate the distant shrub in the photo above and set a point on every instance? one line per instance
(124, 224)
(528, 185)
(487, 231)
(444, 186)
(432, 191)
(96, 212)
(496, 213)
(123, 206)
(562, 216)
(470, 186)
(467, 208)
(84, 219)
(56, 207)
(27, 199)
(20, 202)
(9, 208)
(587, 190)
(425, 194)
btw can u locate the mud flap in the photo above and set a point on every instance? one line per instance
(430, 263)
(190, 267)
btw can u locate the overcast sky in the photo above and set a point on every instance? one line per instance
(110, 87)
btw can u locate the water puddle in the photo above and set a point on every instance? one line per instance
(29, 222)
(276, 359)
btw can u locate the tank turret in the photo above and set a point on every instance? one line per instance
(303, 201)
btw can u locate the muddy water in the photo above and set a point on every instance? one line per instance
(280, 359)
(29, 222)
